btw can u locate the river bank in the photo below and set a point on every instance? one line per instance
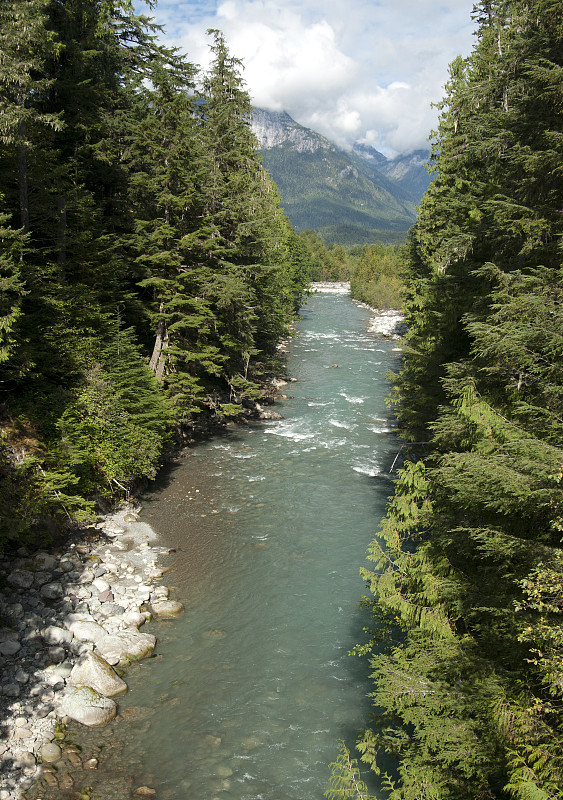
(68, 616)
(389, 323)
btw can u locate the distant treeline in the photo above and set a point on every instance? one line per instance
(375, 271)
(146, 270)
(467, 583)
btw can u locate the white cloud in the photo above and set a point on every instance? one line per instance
(360, 70)
(295, 71)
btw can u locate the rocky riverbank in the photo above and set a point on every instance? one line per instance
(385, 322)
(69, 626)
(390, 324)
(330, 287)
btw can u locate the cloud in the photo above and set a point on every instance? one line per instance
(368, 70)
(306, 67)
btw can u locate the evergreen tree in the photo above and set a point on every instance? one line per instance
(227, 293)
(469, 568)
(11, 287)
(167, 183)
(136, 218)
(25, 44)
(240, 204)
(301, 266)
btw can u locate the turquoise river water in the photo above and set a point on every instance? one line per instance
(254, 685)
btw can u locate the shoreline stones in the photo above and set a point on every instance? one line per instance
(125, 646)
(389, 323)
(330, 287)
(66, 618)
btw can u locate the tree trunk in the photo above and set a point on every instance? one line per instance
(158, 358)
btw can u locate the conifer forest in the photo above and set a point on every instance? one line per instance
(146, 271)
(467, 580)
(148, 275)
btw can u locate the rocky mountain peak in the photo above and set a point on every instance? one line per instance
(275, 128)
(369, 153)
(348, 196)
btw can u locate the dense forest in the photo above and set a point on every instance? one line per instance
(467, 580)
(376, 271)
(147, 273)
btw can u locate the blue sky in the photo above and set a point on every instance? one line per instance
(365, 70)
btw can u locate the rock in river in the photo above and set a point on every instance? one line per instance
(126, 646)
(88, 707)
(93, 671)
(51, 752)
(167, 609)
(144, 791)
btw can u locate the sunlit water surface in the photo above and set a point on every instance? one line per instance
(254, 685)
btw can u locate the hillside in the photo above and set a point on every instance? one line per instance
(346, 197)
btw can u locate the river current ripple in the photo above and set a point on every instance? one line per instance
(255, 685)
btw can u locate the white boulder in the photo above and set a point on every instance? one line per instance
(93, 671)
(126, 646)
(87, 706)
(57, 636)
(167, 609)
(87, 631)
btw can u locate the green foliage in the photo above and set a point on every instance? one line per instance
(328, 262)
(375, 271)
(376, 276)
(113, 432)
(435, 698)
(350, 236)
(345, 781)
(24, 41)
(98, 436)
(135, 219)
(37, 497)
(468, 560)
(12, 288)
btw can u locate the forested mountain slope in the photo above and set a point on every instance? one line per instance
(410, 173)
(135, 221)
(468, 566)
(347, 197)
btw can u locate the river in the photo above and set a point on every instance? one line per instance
(254, 685)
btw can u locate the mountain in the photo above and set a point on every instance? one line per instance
(410, 173)
(347, 197)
